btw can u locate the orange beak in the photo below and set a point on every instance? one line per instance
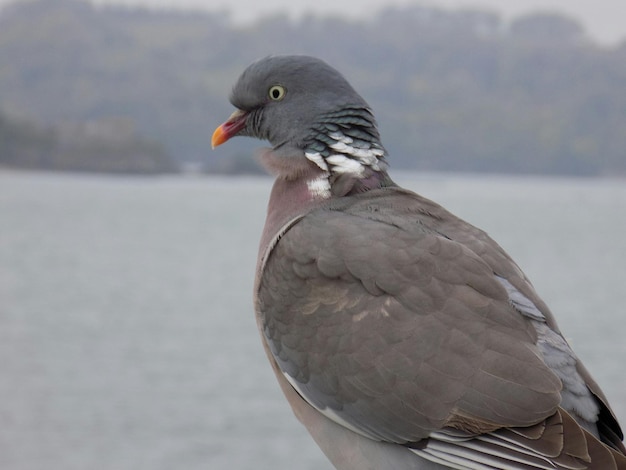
(235, 123)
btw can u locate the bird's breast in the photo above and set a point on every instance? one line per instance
(289, 200)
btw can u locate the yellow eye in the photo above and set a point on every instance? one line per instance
(277, 92)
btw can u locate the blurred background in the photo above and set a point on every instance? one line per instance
(138, 87)
(127, 246)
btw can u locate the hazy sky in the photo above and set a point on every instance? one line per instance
(604, 19)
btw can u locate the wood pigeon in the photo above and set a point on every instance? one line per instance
(402, 336)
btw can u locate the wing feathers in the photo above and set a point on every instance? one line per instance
(374, 313)
(477, 454)
(557, 443)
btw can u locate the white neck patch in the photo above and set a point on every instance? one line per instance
(319, 187)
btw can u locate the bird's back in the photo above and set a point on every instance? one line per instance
(398, 319)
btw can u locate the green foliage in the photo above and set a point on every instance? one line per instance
(453, 90)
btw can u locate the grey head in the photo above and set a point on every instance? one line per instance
(304, 107)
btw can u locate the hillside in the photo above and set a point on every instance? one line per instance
(107, 146)
(452, 90)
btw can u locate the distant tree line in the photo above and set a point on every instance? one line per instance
(456, 90)
(108, 146)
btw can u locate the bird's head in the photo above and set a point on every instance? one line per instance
(305, 108)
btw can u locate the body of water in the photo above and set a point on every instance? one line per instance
(127, 337)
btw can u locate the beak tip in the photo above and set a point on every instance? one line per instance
(235, 123)
(218, 137)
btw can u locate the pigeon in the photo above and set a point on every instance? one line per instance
(402, 336)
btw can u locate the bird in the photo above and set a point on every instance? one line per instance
(402, 336)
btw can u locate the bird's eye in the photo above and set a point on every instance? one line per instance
(277, 92)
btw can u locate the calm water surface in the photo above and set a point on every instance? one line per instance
(127, 338)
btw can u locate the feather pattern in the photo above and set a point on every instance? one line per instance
(346, 142)
(388, 323)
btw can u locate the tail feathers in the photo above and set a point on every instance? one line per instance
(603, 456)
(559, 442)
